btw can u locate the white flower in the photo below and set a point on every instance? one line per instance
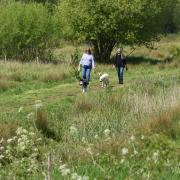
(20, 131)
(62, 166)
(31, 133)
(107, 132)
(135, 152)
(122, 161)
(35, 149)
(9, 141)
(84, 178)
(155, 156)
(96, 136)
(1, 156)
(65, 172)
(148, 159)
(132, 138)
(38, 104)
(74, 176)
(142, 137)
(89, 150)
(84, 140)
(2, 140)
(73, 130)
(20, 109)
(29, 115)
(1, 148)
(124, 151)
(39, 139)
(7, 151)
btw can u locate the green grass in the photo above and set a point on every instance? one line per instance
(89, 131)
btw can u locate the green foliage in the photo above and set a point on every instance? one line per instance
(21, 153)
(27, 31)
(105, 23)
(177, 15)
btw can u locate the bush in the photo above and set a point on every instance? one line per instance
(27, 31)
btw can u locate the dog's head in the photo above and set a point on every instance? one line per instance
(83, 82)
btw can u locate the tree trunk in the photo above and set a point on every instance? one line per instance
(103, 49)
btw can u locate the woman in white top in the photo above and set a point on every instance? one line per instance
(87, 63)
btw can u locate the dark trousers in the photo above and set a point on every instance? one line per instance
(120, 70)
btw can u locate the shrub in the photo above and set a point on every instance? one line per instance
(27, 31)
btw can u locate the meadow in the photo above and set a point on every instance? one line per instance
(49, 129)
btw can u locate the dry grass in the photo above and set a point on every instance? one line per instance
(7, 130)
(16, 71)
(83, 105)
(5, 84)
(54, 76)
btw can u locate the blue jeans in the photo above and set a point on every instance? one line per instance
(120, 73)
(86, 72)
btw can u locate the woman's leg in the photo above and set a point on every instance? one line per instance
(83, 72)
(88, 73)
(121, 75)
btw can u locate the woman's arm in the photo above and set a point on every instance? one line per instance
(93, 66)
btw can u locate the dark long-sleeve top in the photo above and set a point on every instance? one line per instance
(119, 60)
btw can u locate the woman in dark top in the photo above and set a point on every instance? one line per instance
(120, 64)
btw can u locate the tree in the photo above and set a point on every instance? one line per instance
(177, 15)
(106, 23)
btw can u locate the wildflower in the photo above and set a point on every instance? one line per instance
(20, 131)
(89, 150)
(84, 140)
(9, 141)
(74, 176)
(84, 178)
(7, 151)
(107, 132)
(65, 172)
(62, 166)
(142, 137)
(132, 138)
(31, 133)
(38, 104)
(35, 149)
(124, 151)
(135, 152)
(29, 115)
(1, 156)
(122, 161)
(73, 130)
(2, 140)
(20, 109)
(155, 156)
(96, 136)
(1, 148)
(148, 159)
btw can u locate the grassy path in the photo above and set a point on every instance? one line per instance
(56, 93)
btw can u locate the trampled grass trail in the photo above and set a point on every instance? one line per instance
(54, 94)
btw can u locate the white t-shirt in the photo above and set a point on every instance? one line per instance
(87, 60)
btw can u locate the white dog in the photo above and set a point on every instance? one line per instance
(104, 79)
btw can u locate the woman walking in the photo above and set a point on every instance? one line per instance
(87, 63)
(120, 64)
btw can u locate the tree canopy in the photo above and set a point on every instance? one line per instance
(106, 23)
